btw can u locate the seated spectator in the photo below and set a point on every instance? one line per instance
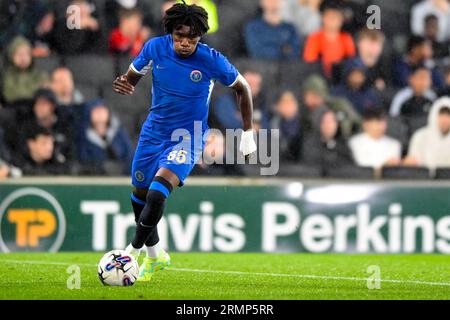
(37, 26)
(440, 49)
(40, 157)
(46, 113)
(316, 97)
(438, 8)
(88, 38)
(446, 90)
(420, 53)
(329, 45)
(417, 98)
(372, 148)
(6, 169)
(430, 145)
(104, 146)
(21, 79)
(354, 88)
(303, 14)
(213, 161)
(129, 37)
(268, 37)
(63, 86)
(370, 43)
(210, 7)
(325, 147)
(287, 120)
(355, 17)
(113, 7)
(227, 111)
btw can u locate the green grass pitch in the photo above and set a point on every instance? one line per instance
(234, 276)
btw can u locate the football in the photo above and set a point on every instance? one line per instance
(118, 268)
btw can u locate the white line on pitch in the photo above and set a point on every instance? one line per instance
(243, 273)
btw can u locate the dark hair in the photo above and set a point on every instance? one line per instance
(35, 131)
(430, 17)
(416, 41)
(182, 14)
(416, 68)
(445, 110)
(331, 5)
(374, 114)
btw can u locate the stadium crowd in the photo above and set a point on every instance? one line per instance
(349, 101)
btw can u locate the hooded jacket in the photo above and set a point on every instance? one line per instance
(20, 84)
(428, 145)
(96, 150)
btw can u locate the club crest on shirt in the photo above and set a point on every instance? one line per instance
(196, 76)
(139, 176)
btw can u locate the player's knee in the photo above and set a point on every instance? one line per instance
(161, 185)
(140, 193)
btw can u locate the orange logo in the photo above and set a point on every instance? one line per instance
(32, 225)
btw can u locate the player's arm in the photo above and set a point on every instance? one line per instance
(125, 83)
(245, 102)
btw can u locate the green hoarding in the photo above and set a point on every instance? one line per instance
(227, 215)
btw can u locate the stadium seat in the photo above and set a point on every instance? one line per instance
(299, 171)
(397, 129)
(88, 92)
(293, 74)
(405, 173)
(92, 69)
(442, 174)
(349, 172)
(48, 63)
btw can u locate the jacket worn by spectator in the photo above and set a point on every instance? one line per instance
(20, 82)
(110, 153)
(266, 41)
(429, 146)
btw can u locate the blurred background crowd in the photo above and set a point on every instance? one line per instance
(349, 101)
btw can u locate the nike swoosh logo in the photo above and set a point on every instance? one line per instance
(145, 225)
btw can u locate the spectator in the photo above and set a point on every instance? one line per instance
(129, 37)
(46, 113)
(303, 14)
(438, 8)
(226, 110)
(355, 17)
(40, 156)
(113, 7)
(372, 148)
(420, 52)
(417, 98)
(370, 43)
(446, 90)
(430, 145)
(37, 26)
(354, 88)
(104, 146)
(268, 37)
(287, 120)
(63, 86)
(210, 7)
(213, 158)
(325, 146)
(21, 79)
(329, 45)
(316, 97)
(440, 49)
(6, 169)
(87, 38)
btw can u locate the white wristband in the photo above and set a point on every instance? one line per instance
(247, 145)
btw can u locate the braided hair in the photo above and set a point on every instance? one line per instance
(182, 14)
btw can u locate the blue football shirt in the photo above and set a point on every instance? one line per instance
(181, 87)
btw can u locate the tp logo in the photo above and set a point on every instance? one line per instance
(31, 219)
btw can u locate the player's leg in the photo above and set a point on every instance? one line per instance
(146, 229)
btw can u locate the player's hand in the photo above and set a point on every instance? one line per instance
(248, 145)
(122, 86)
